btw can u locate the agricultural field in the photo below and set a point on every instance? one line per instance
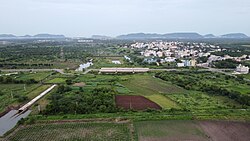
(164, 101)
(192, 130)
(37, 76)
(148, 85)
(18, 88)
(57, 80)
(169, 130)
(247, 76)
(135, 102)
(72, 131)
(206, 130)
(194, 100)
(226, 130)
(153, 89)
(138, 84)
(14, 94)
(214, 84)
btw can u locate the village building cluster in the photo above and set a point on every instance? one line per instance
(182, 54)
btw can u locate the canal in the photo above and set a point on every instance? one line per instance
(9, 120)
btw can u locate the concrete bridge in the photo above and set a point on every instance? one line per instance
(26, 106)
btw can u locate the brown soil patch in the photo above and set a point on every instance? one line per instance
(226, 130)
(135, 102)
(81, 84)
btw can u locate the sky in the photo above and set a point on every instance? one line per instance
(83, 18)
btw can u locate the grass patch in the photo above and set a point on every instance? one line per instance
(194, 100)
(57, 80)
(148, 85)
(163, 101)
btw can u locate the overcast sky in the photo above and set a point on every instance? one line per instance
(114, 17)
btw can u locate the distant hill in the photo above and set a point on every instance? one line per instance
(166, 36)
(42, 36)
(48, 36)
(101, 37)
(139, 36)
(187, 35)
(183, 35)
(209, 36)
(7, 36)
(235, 35)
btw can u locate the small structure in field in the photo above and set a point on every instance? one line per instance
(80, 84)
(116, 62)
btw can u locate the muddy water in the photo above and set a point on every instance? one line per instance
(9, 120)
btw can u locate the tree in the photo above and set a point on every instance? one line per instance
(68, 81)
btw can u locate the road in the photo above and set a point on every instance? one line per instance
(206, 69)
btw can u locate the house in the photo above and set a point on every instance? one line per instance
(242, 69)
(180, 64)
(150, 60)
(84, 66)
(186, 63)
(170, 59)
(193, 63)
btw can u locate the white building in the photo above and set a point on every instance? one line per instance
(84, 66)
(180, 64)
(116, 62)
(242, 69)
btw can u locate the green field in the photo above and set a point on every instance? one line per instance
(194, 100)
(247, 76)
(148, 85)
(163, 101)
(73, 132)
(169, 130)
(153, 89)
(137, 84)
(18, 91)
(37, 91)
(38, 76)
(57, 80)
(12, 92)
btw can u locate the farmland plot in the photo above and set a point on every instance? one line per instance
(169, 130)
(72, 132)
(135, 102)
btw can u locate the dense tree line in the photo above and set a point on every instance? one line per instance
(24, 65)
(10, 80)
(66, 101)
(228, 63)
(237, 96)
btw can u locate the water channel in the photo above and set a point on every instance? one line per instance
(9, 120)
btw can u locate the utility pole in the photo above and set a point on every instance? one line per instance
(11, 94)
(39, 108)
(24, 87)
